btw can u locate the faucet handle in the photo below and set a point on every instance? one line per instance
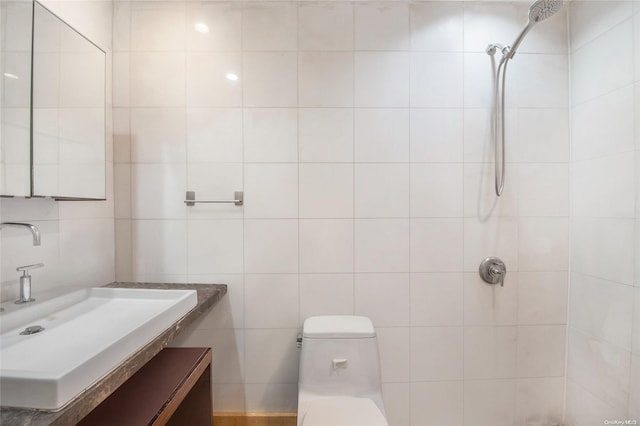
(29, 267)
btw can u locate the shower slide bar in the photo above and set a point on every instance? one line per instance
(191, 199)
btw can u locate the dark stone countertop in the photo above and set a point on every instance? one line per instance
(208, 296)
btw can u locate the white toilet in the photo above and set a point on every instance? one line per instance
(339, 383)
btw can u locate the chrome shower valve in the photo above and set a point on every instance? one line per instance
(493, 270)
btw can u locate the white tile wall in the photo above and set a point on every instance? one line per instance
(371, 296)
(436, 299)
(436, 27)
(534, 88)
(223, 253)
(150, 70)
(381, 26)
(271, 246)
(608, 198)
(325, 26)
(270, 358)
(603, 312)
(360, 133)
(381, 135)
(603, 241)
(325, 135)
(543, 244)
(478, 395)
(601, 368)
(436, 80)
(610, 67)
(270, 79)
(436, 135)
(596, 131)
(271, 190)
(543, 143)
(271, 397)
(634, 395)
(381, 190)
(490, 352)
(489, 305)
(270, 135)
(326, 190)
(157, 26)
(436, 353)
(542, 297)
(326, 294)
(543, 190)
(382, 79)
(270, 301)
(397, 402)
(431, 199)
(153, 189)
(269, 26)
(436, 245)
(498, 236)
(207, 82)
(541, 350)
(588, 21)
(539, 400)
(325, 79)
(159, 247)
(225, 25)
(326, 245)
(382, 245)
(437, 403)
(395, 353)
(582, 407)
(159, 135)
(602, 309)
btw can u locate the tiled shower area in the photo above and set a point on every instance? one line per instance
(361, 135)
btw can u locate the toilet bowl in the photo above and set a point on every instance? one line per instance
(339, 382)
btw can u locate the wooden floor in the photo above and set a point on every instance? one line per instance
(254, 419)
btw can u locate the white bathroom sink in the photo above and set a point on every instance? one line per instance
(86, 334)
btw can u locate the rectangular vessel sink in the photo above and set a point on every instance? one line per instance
(86, 334)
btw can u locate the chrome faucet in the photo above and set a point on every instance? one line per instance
(25, 283)
(34, 230)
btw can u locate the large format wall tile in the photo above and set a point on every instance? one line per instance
(361, 135)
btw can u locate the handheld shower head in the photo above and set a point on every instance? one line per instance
(538, 12)
(543, 9)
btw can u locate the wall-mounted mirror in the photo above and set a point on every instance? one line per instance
(67, 105)
(15, 98)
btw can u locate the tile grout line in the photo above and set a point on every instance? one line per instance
(410, 213)
(244, 230)
(353, 158)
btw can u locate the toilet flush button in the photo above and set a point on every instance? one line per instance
(339, 363)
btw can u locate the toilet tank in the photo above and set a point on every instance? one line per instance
(339, 356)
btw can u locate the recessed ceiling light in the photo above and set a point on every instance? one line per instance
(9, 75)
(201, 27)
(231, 76)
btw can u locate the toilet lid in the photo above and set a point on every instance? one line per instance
(343, 411)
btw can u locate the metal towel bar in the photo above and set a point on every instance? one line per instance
(191, 199)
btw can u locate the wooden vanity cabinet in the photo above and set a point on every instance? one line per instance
(173, 388)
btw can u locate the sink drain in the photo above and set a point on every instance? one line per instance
(32, 330)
